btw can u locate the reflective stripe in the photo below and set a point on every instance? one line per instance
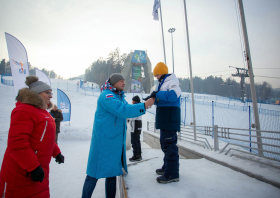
(44, 131)
(4, 190)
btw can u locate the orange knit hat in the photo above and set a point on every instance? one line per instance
(160, 69)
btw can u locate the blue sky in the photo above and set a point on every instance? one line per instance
(68, 35)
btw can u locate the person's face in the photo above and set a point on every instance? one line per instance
(119, 85)
(55, 108)
(133, 102)
(46, 96)
(158, 76)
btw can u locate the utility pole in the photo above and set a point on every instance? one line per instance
(251, 75)
(243, 73)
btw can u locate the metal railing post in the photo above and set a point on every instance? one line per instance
(216, 140)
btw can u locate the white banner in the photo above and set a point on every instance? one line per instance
(42, 77)
(18, 61)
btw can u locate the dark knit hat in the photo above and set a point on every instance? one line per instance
(115, 78)
(35, 85)
(136, 99)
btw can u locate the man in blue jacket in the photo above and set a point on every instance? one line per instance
(107, 153)
(168, 120)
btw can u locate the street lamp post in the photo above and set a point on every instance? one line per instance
(171, 30)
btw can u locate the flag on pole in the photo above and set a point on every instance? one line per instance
(18, 61)
(64, 104)
(42, 76)
(155, 10)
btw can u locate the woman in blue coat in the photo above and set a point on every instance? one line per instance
(107, 153)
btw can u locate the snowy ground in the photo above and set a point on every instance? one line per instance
(198, 178)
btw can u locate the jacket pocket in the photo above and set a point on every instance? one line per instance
(44, 131)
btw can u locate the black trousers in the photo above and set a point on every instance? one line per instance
(168, 143)
(136, 144)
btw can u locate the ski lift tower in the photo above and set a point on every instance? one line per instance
(242, 73)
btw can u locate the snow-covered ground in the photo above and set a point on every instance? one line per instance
(198, 178)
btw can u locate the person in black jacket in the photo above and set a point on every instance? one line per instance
(135, 129)
(58, 117)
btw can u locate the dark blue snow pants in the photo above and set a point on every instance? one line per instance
(168, 141)
(136, 144)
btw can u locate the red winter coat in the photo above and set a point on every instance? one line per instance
(31, 142)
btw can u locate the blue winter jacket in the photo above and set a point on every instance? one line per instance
(108, 142)
(168, 113)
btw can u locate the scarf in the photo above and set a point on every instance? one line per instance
(108, 86)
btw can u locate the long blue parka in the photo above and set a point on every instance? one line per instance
(107, 153)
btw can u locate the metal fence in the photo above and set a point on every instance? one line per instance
(234, 137)
(6, 81)
(227, 115)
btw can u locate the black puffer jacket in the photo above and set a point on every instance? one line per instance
(58, 118)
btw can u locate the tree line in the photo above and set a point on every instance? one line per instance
(5, 68)
(228, 88)
(100, 70)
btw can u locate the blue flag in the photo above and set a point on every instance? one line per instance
(64, 104)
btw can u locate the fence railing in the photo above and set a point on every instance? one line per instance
(245, 140)
(7, 81)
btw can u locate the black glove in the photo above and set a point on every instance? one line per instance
(59, 158)
(153, 94)
(38, 174)
(147, 98)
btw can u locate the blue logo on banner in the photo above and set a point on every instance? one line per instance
(64, 105)
(22, 71)
(139, 57)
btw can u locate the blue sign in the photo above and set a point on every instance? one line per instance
(139, 57)
(63, 103)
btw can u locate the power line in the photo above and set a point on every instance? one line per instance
(268, 77)
(224, 75)
(266, 68)
(208, 73)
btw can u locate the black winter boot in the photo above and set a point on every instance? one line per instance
(135, 158)
(159, 171)
(164, 180)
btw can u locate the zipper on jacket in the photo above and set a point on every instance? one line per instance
(4, 190)
(116, 121)
(44, 131)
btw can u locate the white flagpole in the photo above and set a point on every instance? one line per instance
(162, 32)
(190, 63)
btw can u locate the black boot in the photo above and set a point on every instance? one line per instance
(159, 171)
(135, 158)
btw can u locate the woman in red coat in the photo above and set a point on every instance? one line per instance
(31, 144)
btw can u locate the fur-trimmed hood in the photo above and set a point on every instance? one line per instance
(26, 96)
